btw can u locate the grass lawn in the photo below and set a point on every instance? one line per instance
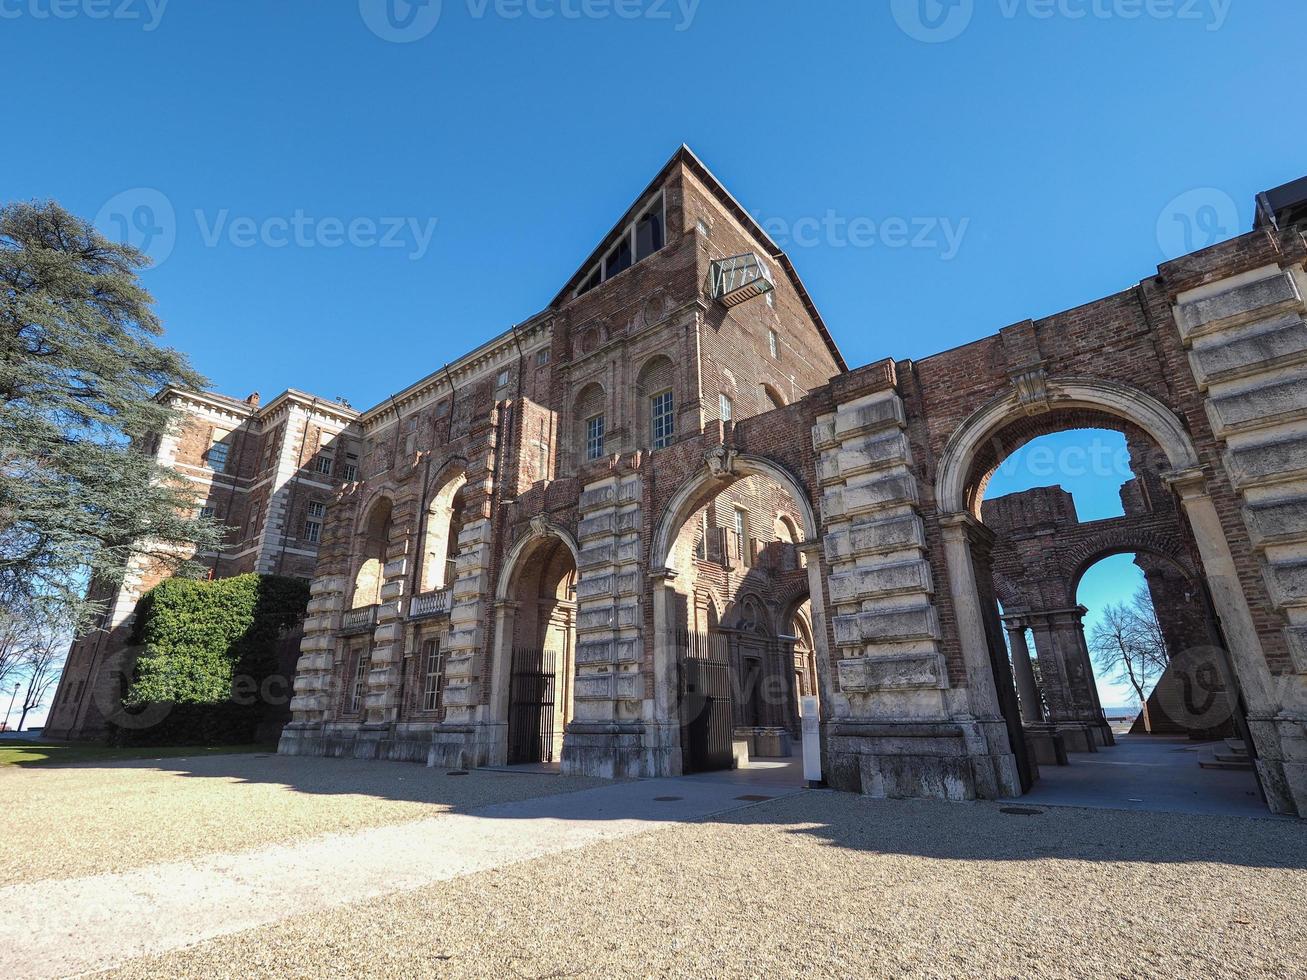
(16, 753)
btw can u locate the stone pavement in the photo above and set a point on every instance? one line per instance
(61, 927)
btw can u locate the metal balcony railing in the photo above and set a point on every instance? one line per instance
(740, 278)
(430, 604)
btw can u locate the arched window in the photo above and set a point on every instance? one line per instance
(774, 398)
(590, 423)
(444, 522)
(656, 403)
(376, 539)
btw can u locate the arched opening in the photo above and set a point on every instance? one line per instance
(536, 648)
(655, 403)
(370, 575)
(1055, 493)
(730, 540)
(444, 522)
(772, 397)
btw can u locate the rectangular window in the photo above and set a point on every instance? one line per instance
(316, 509)
(773, 342)
(742, 534)
(312, 532)
(322, 464)
(542, 357)
(431, 675)
(618, 259)
(663, 422)
(649, 232)
(218, 456)
(638, 240)
(594, 437)
(725, 407)
(359, 688)
(502, 380)
(206, 511)
(350, 473)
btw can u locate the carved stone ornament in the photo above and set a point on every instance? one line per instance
(540, 525)
(721, 462)
(1031, 384)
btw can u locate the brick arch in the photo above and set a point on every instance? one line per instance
(1006, 423)
(1124, 541)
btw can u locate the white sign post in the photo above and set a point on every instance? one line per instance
(810, 708)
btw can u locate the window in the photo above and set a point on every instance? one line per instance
(662, 422)
(702, 225)
(312, 532)
(442, 409)
(431, 675)
(362, 661)
(771, 298)
(322, 464)
(502, 380)
(316, 509)
(594, 437)
(542, 357)
(742, 535)
(637, 241)
(206, 512)
(725, 407)
(773, 342)
(350, 471)
(217, 457)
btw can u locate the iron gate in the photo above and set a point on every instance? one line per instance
(706, 723)
(531, 706)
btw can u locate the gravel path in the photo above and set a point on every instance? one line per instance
(90, 819)
(827, 884)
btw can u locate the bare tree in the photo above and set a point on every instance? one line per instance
(42, 664)
(14, 635)
(1128, 642)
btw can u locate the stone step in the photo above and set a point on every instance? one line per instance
(1236, 745)
(1217, 763)
(1232, 757)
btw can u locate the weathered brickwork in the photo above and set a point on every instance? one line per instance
(603, 449)
(267, 473)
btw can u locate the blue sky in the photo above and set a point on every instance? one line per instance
(1035, 155)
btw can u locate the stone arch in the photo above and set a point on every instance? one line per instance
(442, 523)
(773, 397)
(540, 531)
(965, 464)
(1123, 541)
(373, 537)
(725, 467)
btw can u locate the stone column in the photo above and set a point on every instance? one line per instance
(1104, 732)
(663, 742)
(1032, 708)
(1067, 678)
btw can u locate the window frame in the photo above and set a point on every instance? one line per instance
(662, 421)
(433, 669)
(725, 407)
(359, 683)
(774, 343)
(224, 453)
(594, 441)
(597, 274)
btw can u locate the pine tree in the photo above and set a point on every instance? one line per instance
(79, 369)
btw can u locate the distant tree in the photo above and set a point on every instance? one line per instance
(1128, 643)
(79, 367)
(41, 666)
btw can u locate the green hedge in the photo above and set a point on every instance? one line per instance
(207, 649)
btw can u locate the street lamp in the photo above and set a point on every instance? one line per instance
(10, 708)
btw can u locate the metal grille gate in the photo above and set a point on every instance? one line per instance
(705, 689)
(531, 706)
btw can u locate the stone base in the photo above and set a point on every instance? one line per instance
(767, 743)
(1078, 736)
(739, 752)
(918, 760)
(606, 751)
(1046, 745)
(443, 748)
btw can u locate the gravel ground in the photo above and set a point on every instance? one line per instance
(829, 884)
(124, 815)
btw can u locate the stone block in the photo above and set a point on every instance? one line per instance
(1286, 398)
(1277, 520)
(896, 490)
(1289, 582)
(886, 412)
(1281, 459)
(886, 625)
(1284, 341)
(1256, 299)
(1296, 637)
(901, 672)
(875, 580)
